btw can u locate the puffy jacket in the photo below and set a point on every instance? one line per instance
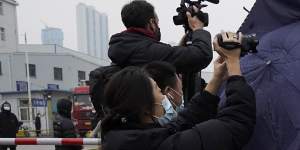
(127, 48)
(198, 127)
(63, 125)
(9, 124)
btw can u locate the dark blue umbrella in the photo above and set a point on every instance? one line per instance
(274, 74)
(268, 15)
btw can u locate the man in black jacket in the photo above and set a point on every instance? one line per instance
(140, 43)
(9, 125)
(63, 125)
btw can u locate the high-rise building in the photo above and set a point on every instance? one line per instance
(92, 31)
(52, 36)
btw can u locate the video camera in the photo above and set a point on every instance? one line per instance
(248, 43)
(187, 6)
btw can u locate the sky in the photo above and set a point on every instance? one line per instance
(33, 15)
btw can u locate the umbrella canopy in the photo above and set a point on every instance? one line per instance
(268, 15)
(274, 74)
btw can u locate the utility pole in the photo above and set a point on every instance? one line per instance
(28, 86)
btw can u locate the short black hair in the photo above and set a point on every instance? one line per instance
(129, 95)
(163, 73)
(64, 107)
(137, 13)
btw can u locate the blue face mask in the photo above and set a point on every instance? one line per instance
(170, 113)
(181, 107)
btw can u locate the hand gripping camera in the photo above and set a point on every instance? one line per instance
(187, 6)
(248, 43)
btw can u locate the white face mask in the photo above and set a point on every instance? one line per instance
(7, 108)
(170, 113)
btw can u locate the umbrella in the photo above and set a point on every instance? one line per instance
(268, 15)
(274, 74)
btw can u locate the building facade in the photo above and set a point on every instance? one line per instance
(52, 36)
(52, 69)
(53, 72)
(92, 31)
(8, 25)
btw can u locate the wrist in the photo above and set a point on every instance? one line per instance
(216, 79)
(233, 67)
(213, 86)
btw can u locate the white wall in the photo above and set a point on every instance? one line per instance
(9, 21)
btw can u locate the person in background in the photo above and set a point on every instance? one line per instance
(38, 124)
(9, 125)
(63, 125)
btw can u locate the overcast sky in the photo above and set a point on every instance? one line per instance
(227, 16)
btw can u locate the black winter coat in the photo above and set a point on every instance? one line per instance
(198, 127)
(38, 123)
(9, 125)
(64, 128)
(126, 49)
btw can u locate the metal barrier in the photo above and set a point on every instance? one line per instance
(50, 141)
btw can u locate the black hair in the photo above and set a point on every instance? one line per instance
(64, 107)
(137, 13)
(163, 73)
(128, 96)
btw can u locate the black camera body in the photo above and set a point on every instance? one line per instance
(187, 6)
(248, 43)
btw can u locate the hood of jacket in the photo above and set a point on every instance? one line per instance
(124, 44)
(5, 104)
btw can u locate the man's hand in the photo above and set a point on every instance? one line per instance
(194, 22)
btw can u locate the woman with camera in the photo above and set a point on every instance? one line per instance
(135, 103)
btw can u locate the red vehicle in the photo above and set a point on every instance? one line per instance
(83, 111)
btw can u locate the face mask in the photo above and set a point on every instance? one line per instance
(170, 113)
(7, 108)
(157, 34)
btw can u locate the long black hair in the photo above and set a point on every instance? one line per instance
(129, 97)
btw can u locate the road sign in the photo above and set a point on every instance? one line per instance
(39, 102)
(21, 86)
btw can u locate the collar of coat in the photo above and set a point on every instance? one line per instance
(141, 31)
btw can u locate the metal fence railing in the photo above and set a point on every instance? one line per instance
(50, 141)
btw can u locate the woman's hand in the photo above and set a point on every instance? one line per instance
(220, 74)
(220, 69)
(231, 57)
